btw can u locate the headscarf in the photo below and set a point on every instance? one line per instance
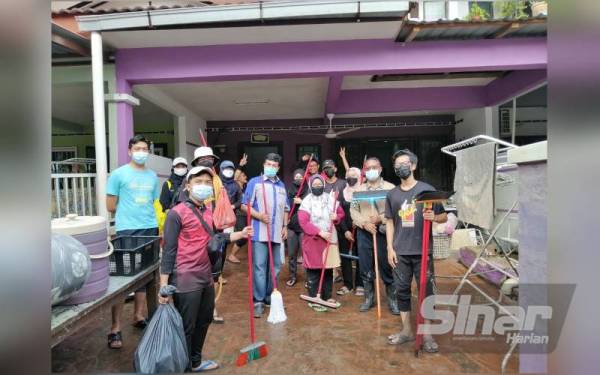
(176, 180)
(229, 183)
(319, 208)
(349, 190)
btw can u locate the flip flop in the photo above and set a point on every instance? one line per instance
(291, 282)
(337, 304)
(398, 339)
(218, 320)
(113, 338)
(317, 307)
(206, 365)
(141, 324)
(430, 346)
(236, 261)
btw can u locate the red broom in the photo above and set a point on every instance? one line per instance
(423, 277)
(255, 350)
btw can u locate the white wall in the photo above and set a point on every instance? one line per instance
(475, 122)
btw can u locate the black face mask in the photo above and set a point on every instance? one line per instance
(352, 181)
(316, 191)
(403, 172)
(205, 163)
(329, 172)
(298, 182)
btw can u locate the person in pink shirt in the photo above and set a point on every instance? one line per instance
(315, 215)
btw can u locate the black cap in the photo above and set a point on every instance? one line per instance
(328, 163)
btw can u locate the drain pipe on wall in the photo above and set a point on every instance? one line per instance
(513, 125)
(99, 124)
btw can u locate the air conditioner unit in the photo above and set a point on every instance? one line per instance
(505, 121)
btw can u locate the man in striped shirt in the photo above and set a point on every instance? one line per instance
(266, 188)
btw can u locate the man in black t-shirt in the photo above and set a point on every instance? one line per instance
(404, 236)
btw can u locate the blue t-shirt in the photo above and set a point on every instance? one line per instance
(136, 191)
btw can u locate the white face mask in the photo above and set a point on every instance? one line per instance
(228, 172)
(139, 157)
(180, 171)
(372, 174)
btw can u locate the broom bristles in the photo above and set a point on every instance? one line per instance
(277, 313)
(252, 352)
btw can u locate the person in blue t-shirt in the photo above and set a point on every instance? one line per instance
(130, 193)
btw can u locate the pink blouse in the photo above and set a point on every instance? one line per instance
(312, 244)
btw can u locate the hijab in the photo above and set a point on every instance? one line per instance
(320, 207)
(349, 190)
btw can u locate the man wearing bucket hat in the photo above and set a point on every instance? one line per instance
(204, 157)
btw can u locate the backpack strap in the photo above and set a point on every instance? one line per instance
(196, 212)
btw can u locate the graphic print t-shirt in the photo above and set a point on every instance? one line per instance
(408, 218)
(136, 191)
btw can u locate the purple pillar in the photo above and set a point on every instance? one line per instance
(124, 120)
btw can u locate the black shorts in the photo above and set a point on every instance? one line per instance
(409, 266)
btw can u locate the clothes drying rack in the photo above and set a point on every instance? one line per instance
(501, 160)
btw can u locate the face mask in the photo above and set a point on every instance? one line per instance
(202, 192)
(228, 173)
(139, 157)
(180, 171)
(372, 174)
(403, 171)
(205, 163)
(298, 182)
(329, 172)
(316, 191)
(352, 181)
(270, 171)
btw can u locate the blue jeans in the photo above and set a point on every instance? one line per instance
(261, 269)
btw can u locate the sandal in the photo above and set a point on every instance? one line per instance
(206, 365)
(336, 303)
(317, 307)
(115, 340)
(233, 259)
(430, 346)
(399, 339)
(291, 282)
(141, 324)
(343, 291)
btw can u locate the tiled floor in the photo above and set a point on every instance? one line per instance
(343, 341)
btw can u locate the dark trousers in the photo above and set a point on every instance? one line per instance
(313, 275)
(196, 309)
(294, 240)
(366, 257)
(350, 282)
(407, 267)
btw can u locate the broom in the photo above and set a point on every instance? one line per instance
(276, 313)
(318, 299)
(255, 350)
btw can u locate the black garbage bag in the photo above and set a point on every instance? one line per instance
(163, 346)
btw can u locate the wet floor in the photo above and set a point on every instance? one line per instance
(341, 341)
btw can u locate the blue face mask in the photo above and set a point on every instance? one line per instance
(202, 192)
(270, 171)
(372, 174)
(139, 157)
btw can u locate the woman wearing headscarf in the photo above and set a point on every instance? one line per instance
(171, 185)
(347, 241)
(294, 237)
(241, 178)
(316, 214)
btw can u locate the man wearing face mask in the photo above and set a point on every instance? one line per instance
(405, 220)
(204, 157)
(294, 238)
(130, 193)
(368, 224)
(332, 182)
(276, 215)
(171, 186)
(186, 265)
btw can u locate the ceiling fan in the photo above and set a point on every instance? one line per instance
(331, 133)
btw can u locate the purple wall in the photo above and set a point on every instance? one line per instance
(292, 139)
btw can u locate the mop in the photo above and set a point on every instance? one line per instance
(276, 313)
(257, 349)
(427, 198)
(318, 299)
(372, 196)
(304, 178)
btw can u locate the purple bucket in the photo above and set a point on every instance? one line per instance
(91, 232)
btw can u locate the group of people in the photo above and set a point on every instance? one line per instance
(317, 211)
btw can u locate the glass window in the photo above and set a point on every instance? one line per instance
(307, 150)
(434, 10)
(488, 6)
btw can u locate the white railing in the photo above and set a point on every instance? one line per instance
(73, 193)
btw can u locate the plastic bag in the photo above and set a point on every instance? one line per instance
(223, 217)
(163, 347)
(71, 267)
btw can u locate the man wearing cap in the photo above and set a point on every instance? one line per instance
(204, 156)
(130, 193)
(186, 265)
(332, 182)
(170, 188)
(275, 214)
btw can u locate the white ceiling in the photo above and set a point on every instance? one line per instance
(364, 82)
(251, 34)
(285, 98)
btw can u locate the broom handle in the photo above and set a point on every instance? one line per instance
(376, 266)
(250, 299)
(328, 245)
(423, 275)
(271, 264)
(301, 186)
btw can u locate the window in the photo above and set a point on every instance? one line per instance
(487, 6)
(434, 10)
(308, 149)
